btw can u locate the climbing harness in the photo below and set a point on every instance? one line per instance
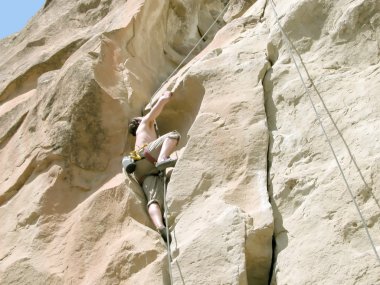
(292, 48)
(135, 154)
(149, 157)
(129, 161)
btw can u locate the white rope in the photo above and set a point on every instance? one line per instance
(166, 208)
(187, 56)
(291, 47)
(166, 213)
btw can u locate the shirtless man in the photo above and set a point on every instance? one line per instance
(157, 153)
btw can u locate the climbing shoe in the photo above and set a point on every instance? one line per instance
(170, 162)
(162, 232)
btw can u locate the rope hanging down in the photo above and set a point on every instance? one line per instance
(291, 48)
(186, 57)
(166, 213)
(166, 208)
(190, 52)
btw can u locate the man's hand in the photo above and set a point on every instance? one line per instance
(166, 96)
(157, 108)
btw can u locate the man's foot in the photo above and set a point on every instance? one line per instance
(162, 232)
(170, 162)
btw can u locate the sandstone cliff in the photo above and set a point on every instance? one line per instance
(256, 196)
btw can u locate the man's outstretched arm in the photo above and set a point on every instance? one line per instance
(158, 107)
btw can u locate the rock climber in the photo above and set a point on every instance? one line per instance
(157, 151)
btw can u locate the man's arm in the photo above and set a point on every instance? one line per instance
(158, 107)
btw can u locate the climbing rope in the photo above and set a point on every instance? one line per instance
(190, 52)
(166, 208)
(166, 213)
(180, 64)
(292, 48)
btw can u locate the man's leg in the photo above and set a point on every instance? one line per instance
(167, 149)
(157, 219)
(156, 215)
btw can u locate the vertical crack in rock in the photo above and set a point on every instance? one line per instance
(270, 111)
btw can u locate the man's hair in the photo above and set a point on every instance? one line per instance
(133, 125)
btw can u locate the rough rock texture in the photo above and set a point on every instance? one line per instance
(319, 236)
(256, 196)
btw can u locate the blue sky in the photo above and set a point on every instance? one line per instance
(15, 14)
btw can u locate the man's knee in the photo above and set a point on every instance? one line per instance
(153, 206)
(174, 135)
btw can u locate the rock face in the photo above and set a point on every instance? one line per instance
(256, 197)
